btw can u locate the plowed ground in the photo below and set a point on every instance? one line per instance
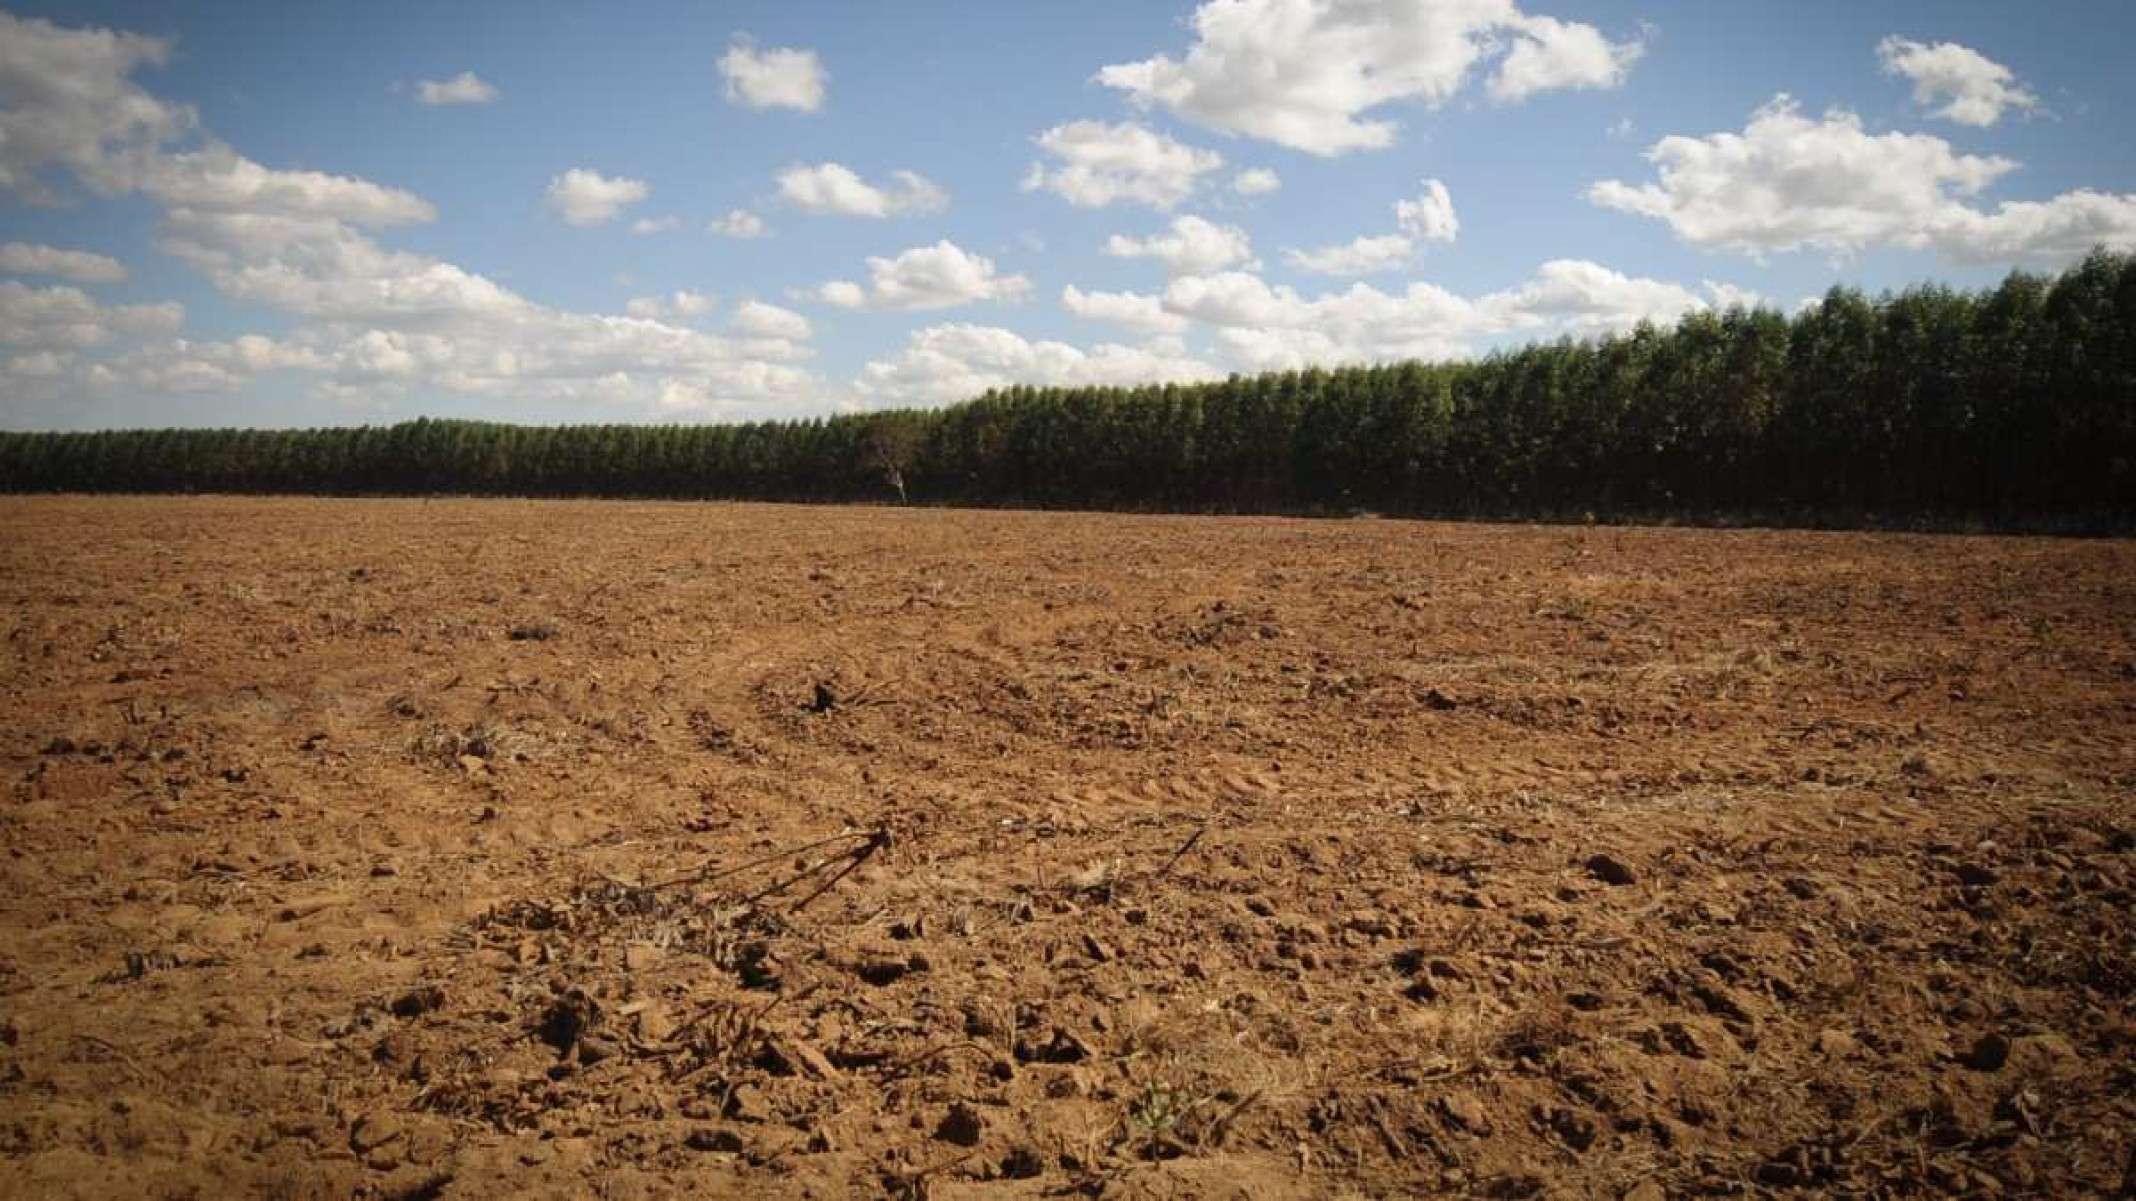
(464, 849)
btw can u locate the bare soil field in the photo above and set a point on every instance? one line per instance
(490, 848)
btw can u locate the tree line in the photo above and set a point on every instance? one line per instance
(2016, 403)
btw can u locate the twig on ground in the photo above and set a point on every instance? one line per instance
(706, 875)
(876, 842)
(1221, 1127)
(1181, 853)
(910, 1062)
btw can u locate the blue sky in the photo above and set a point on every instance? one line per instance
(259, 214)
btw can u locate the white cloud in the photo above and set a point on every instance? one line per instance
(1363, 255)
(1264, 327)
(1194, 246)
(946, 363)
(738, 392)
(2049, 233)
(1099, 164)
(738, 223)
(690, 304)
(1729, 296)
(254, 352)
(217, 179)
(370, 321)
(325, 269)
(1428, 218)
(1589, 298)
(68, 318)
(756, 319)
(681, 305)
(1787, 182)
(70, 104)
(583, 197)
(1272, 327)
(81, 266)
(1143, 314)
(529, 351)
(655, 225)
(1549, 55)
(40, 364)
(175, 372)
(833, 188)
(841, 292)
(1303, 73)
(464, 88)
(774, 78)
(1255, 181)
(1975, 90)
(926, 277)
(192, 367)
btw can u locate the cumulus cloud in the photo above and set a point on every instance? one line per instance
(1140, 313)
(742, 389)
(681, 305)
(326, 269)
(945, 363)
(756, 319)
(2048, 233)
(1428, 218)
(520, 349)
(71, 104)
(171, 370)
(1551, 55)
(655, 225)
(1267, 327)
(217, 179)
(583, 197)
(68, 318)
(1256, 181)
(738, 223)
(1192, 246)
(1304, 73)
(81, 266)
(773, 78)
(1789, 182)
(926, 277)
(38, 365)
(1261, 325)
(1589, 298)
(1264, 327)
(464, 88)
(370, 321)
(184, 366)
(1972, 88)
(1096, 164)
(1362, 255)
(1729, 296)
(841, 292)
(833, 188)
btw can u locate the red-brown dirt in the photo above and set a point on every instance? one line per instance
(404, 849)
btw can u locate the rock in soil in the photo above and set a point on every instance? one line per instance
(962, 1125)
(1989, 1053)
(418, 1002)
